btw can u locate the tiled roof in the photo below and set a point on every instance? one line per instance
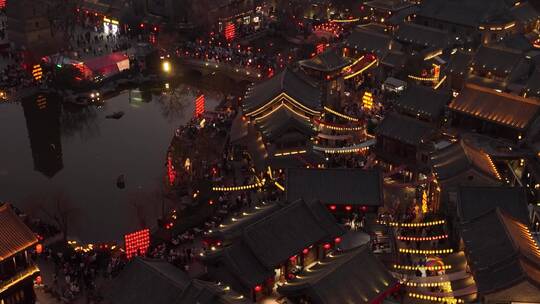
(460, 157)
(369, 41)
(355, 274)
(423, 101)
(289, 230)
(475, 201)
(14, 234)
(405, 129)
(497, 59)
(500, 252)
(270, 241)
(501, 108)
(463, 12)
(147, 281)
(327, 61)
(524, 12)
(335, 186)
(287, 82)
(282, 121)
(422, 35)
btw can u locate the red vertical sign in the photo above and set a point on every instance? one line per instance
(137, 243)
(171, 172)
(199, 106)
(230, 31)
(320, 48)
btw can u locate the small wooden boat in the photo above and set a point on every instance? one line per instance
(121, 181)
(115, 115)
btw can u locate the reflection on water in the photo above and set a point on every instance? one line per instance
(43, 125)
(54, 150)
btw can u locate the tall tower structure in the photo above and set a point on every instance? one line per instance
(28, 26)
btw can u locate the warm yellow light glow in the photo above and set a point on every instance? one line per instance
(282, 96)
(433, 55)
(344, 20)
(430, 268)
(448, 300)
(240, 188)
(425, 251)
(290, 153)
(166, 66)
(423, 78)
(440, 83)
(5, 285)
(329, 110)
(412, 225)
(280, 187)
(361, 70)
(422, 238)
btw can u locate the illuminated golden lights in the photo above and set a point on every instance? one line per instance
(5, 285)
(425, 251)
(240, 188)
(347, 117)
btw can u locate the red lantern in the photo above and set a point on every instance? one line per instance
(305, 251)
(39, 248)
(258, 288)
(39, 280)
(332, 207)
(326, 246)
(337, 240)
(348, 208)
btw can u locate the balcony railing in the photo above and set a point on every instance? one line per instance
(26, 273)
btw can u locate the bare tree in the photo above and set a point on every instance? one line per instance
(60, 209)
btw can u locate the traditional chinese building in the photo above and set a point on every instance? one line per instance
(457, 69)
(289, 89)
(287, 138)
(382, 10)
(273, 248)
(17, 271)
(403, 140)
(466, 19)
(341, 190)
(503, 258)
(498, 68)
(423, 103)
(355, 274)
(418, 37)
(460, 164)
(327, 69)
(474, 201)
(29, 27)
(155, 281)
(500, 115)
(368, 40)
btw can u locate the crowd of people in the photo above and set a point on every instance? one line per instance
(235, 54)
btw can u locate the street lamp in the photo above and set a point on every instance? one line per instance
(166, 66)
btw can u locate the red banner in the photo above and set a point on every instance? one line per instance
(230, 31)
(199, 106)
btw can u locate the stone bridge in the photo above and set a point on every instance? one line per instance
(206, 67)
